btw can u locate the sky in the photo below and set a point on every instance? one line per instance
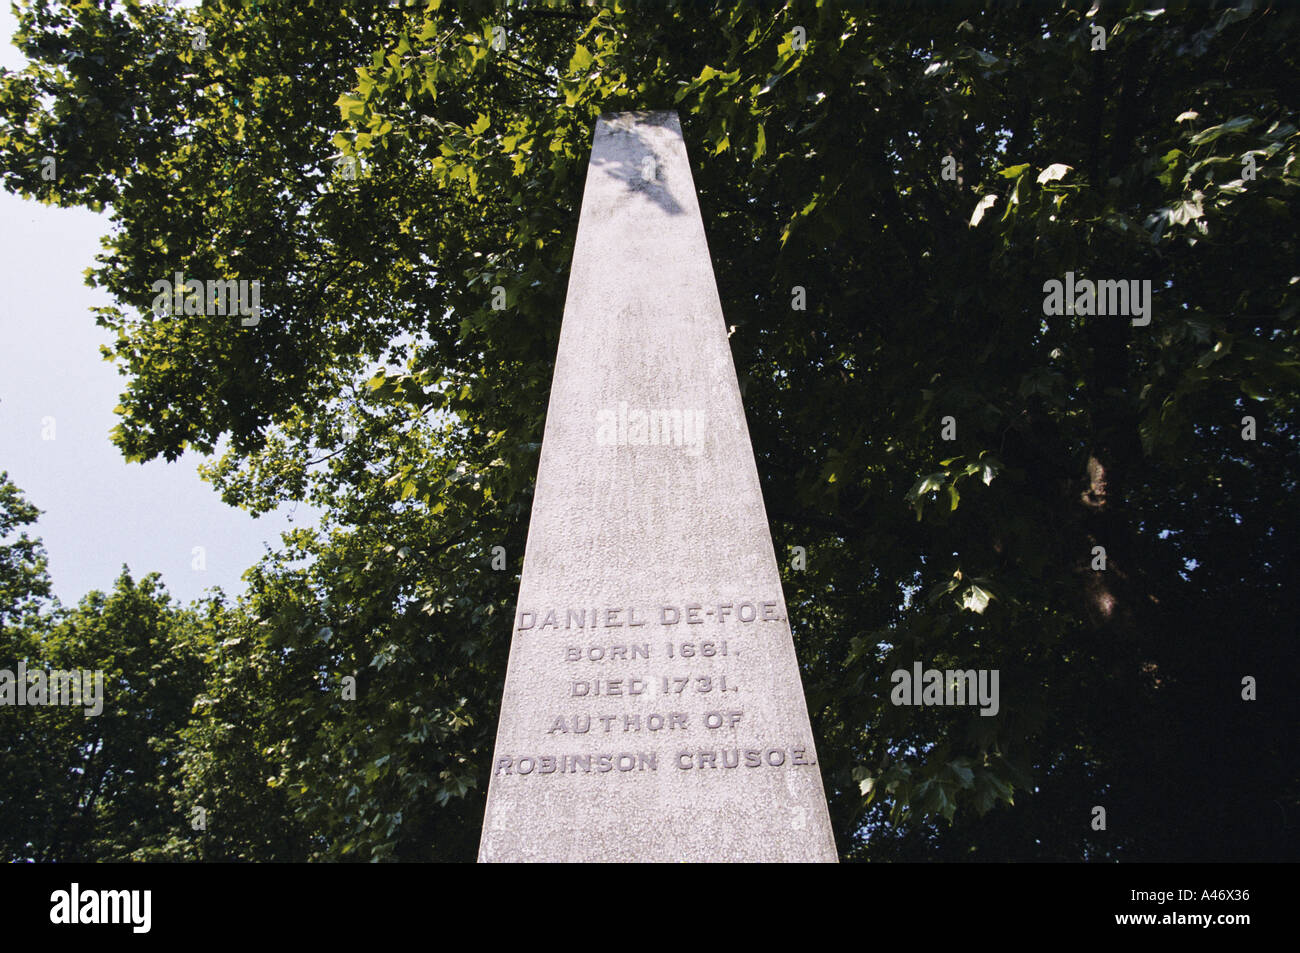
(57, 395)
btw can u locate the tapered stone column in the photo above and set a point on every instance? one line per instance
(653, 709)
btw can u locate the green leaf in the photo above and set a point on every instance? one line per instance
(350, 107)
(981, 207)
(1235, 125)
(1053, 172)
(961, 769)
(581, 59)
(976, 599)
(927, 484)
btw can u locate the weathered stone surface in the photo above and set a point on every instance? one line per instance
(626, 736)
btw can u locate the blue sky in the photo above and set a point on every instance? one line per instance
(98, 511)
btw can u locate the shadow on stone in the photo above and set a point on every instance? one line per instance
(635, 148)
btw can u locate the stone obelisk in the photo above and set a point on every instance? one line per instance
(653, 709)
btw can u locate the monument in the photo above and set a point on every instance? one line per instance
(653, 709)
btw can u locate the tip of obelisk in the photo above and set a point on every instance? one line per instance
(641, 117)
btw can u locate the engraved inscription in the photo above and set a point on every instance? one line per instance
(782, 756)
(575, 763)
(617, 617)
(600, 653)
(711, 671)
(581, 724)
(753, 758)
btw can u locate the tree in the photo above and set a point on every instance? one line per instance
(95, 780)
(381, 171)
(24, 576)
